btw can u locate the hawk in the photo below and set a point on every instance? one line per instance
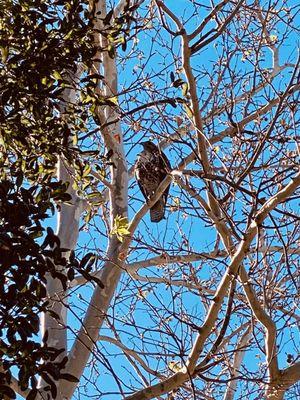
(150, 170)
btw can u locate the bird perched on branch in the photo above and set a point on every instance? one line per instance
(151, 168)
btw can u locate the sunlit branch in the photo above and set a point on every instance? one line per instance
(237, 362)
(291, 374)
(261, 110)
(236, 262)
(131, 353)
(266, 321)
(165, 259)
(200, 44)
(100, 178)
(178, 378)
(160, 4)
(207, 19)
(267, 38)
(169, 282)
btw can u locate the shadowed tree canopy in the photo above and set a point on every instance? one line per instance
(41, 44)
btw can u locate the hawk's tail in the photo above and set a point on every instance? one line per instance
(157, 212)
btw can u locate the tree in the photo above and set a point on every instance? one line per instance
(202, 305)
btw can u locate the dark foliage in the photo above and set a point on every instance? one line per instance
(42, 44)
(24, 265)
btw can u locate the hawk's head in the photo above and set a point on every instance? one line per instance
(149, 146)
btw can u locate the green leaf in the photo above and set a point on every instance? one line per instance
(7, 391)
(32, 394)
(86, 259)
(69, 378)
(188, 111)
(56, 75)
(87, 170)
(111, 51)
(75, 139)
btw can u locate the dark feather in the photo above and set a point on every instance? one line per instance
(151, 168)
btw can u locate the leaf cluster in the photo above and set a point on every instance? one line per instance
(25, 264)
(41, 44)
(117, 30)
(120, 227)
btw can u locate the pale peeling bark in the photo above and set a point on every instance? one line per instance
(237, 362)
(67, 231)
(88, 334)
(111, 272)
(285, 379)
(68, 218)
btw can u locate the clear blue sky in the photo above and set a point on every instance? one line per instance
(175, 226)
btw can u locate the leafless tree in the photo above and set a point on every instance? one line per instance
(204, 304)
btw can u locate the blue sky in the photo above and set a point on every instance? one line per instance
(154, 63)
(201, 237)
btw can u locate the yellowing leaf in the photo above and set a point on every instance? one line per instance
(87, 170)
(176, 206)
(88, 99)
(4, 53)
(188, 111)
(101, 172)
(122, 256)
(283, 123)
(176, 201)
(120, 227)
(185, 88)
(174, 366)
(179, 120)
(273, 38)
(114, 100)
(246, 53)
(56, 75)
(143, 294)
(69, 34)
(117, 138)
(75, 139)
